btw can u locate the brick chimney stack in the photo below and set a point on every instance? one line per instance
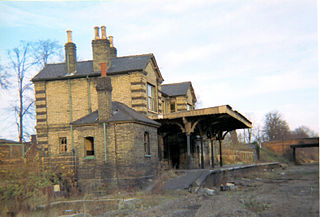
(100, 49)
(70, 55)
(104, 90)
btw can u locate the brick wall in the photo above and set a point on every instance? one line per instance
(302, 154)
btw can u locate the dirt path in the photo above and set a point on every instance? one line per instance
(283, 192)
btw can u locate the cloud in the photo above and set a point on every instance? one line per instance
(233, 51)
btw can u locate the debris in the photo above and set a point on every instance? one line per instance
(207, 191)
(56, 188)
(129, 203)
(228, 186)
(284, 166)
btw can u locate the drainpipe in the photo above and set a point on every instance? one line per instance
(116, 152)
(70, 108)
(105, 141)
(89, 97)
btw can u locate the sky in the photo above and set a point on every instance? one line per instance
(257, 56)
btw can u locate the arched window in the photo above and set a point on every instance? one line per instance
(146, 142)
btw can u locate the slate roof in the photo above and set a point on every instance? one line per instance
(121, 112)
(176, 89)
(85, 68)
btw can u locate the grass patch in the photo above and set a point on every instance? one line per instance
(267, 155)
(256, 206)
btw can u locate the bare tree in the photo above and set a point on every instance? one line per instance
(274, 127)
(257, 135)
(23, 60)
(43, 50)
(303, 132)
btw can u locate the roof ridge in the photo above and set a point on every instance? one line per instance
(82, 61)
(183, 82)
(137, 55)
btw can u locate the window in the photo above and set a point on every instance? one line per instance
(189, 107)
(172, 107)
(89, 146)
(165, 107)
(146, 142)
(63, 147)
(151, 97)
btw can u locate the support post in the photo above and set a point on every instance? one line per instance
(212, 154)
(202, 161)
(220, 150)
(294, 155)
(188, 151)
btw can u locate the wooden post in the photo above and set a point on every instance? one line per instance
(220, 150)
(188, 151)
(294, 155)
(202, 161)
(212, 154)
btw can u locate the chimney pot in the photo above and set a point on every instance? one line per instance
(103, 32)
(111, 41)
(69, 36)
(96, 33)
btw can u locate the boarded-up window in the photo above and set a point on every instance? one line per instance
(89, 146)
(146, 144)
(63, 146)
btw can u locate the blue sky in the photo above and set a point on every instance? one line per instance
(255, 55)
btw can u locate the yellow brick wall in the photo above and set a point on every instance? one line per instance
(152, 79)
(58, 102)
(53, 139)
(121, 89)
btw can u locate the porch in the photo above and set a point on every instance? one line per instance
(186, 138)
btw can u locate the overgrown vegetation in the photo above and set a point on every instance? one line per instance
(267, 155)
(23, 185)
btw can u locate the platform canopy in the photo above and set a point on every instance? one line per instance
(209, 123)
(219, 118)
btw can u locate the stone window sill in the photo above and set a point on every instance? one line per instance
(151, 111)
(147, 155)
(89, 158)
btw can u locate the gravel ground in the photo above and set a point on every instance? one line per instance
(293, 191)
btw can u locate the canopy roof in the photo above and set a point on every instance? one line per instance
(221, 118)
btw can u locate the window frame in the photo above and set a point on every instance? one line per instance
(146, 144)
(87, 153)
(151, 98)
(174, 106)
(63, 145)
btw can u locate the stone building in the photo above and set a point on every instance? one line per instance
(105, 114)
(178, 97)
